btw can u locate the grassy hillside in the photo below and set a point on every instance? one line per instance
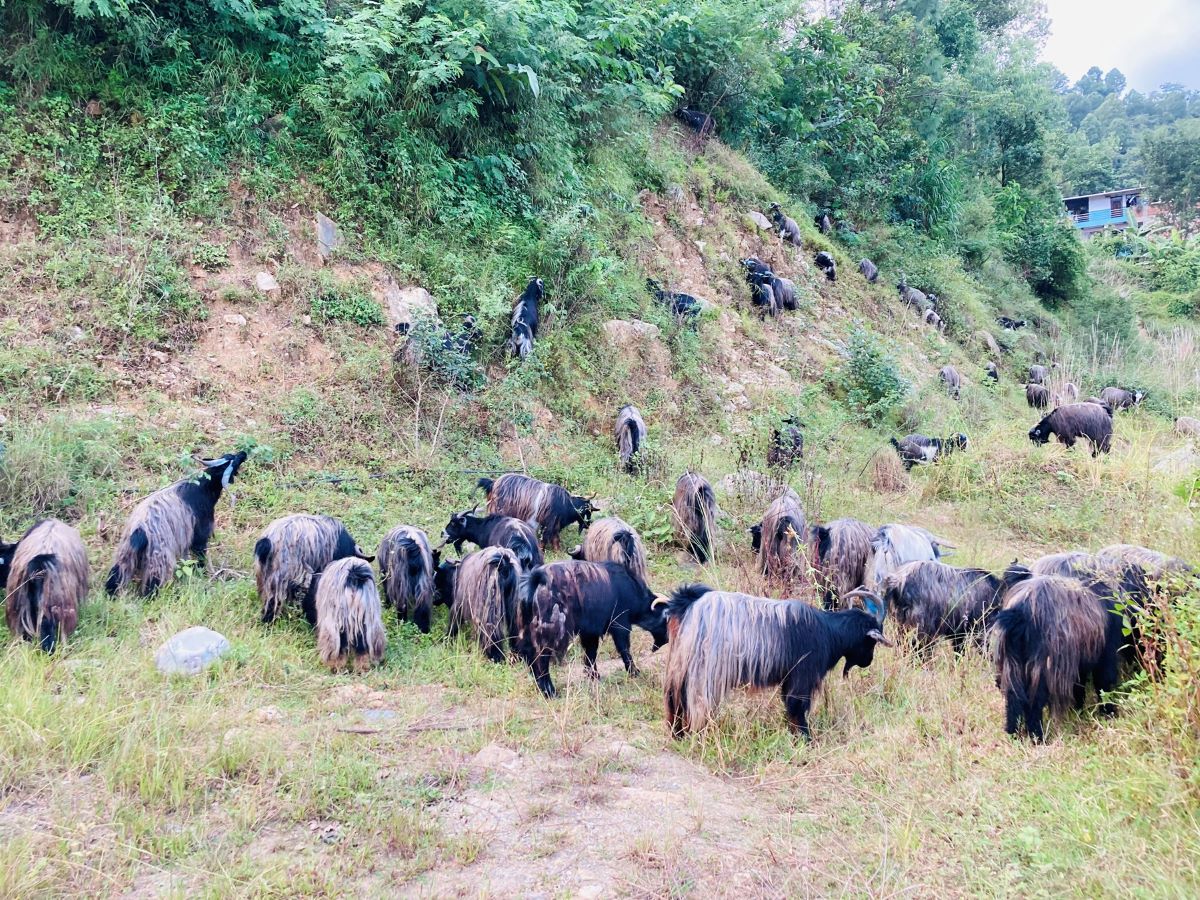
(441, 774)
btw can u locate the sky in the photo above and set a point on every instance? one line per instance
(1151, 41)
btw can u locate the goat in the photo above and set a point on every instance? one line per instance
(526, 318)
(486, 586)
(762, 295)
(170, 524)
(825, 262)
(918, 448)
(552, 507)
(912, 296)
(934, 320)
(783, 532)
(1051, 636)
(868, 270)
(783, 290)
(684, 307)
(1152, 562)
(1071, 392)
(701, 123)
(293, 549)
(495, 530)
(1118, 398)
(841, 550)
(612, 540)
(45, 574)
(936, 600)
(695, 507)
(1038, 374)
(721, 641)
(894, 545)
(1188, 426)
(786, 226)
(630, 433)
(1037, 396)
(565, 599)
(992, 372)
(1073, 421)
(952, 380)
(786, 446)
(823, 222)
(406, 567)
(349, 618)
(1010, 323)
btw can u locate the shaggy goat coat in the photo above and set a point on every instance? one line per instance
(841, 550)
(895, 545)
(721, 641)
(937, 600)
(1052, 635)
(1119, 398)
(826, 263)
(868, 270)
(786, 226)
(565, 599)
(291, 550)
(46, 576)
(786, 447)
(919, 448)
(630, 434)
(349, 622)
(782, 539)
(695, 507)
(1074, 421)
(486, 595)
(168, 525)
(1037, 396)
(406, 567)
(526, 318)
(551, 506)
(952, 380)
(1188, 425)
(612, 540)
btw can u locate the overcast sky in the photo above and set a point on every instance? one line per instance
(1151, 41)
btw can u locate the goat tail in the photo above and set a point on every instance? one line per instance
(486, 485)
(130, 557)
(701, 507)
(683, 597)
(1015, 671)
(262, 550)
(628, 543)
(35, 585)
(895, 443)
(679, 660)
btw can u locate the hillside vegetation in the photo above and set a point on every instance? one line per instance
(163, 170)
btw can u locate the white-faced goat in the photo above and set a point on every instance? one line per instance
(518, 535)
(1051, 637)
(1119, 398)
(565, 599)
(868, 270)
(825, 262)
(1074, 421)
(695, 507)
(293, 549)
(786, 226)
(525, 319)
(551, 506)
(783, 538)
(349, 618)
(721, 641)
(786, 447)
(45, 575)
(612, 540)
(629, 432)
(919, 448)
(486, 589)
(406, 567)
(893, 546)
(840, 551)
(168, 525)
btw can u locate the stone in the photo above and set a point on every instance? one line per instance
(328, 236)
(758, 220)
(405, 305)
(266, 282)
(191, 651)
(77, 334)
(496, 756)
(675, 193)
(622, 333)
(235, 319)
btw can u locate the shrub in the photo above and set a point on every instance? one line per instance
(333, 303)
(871, 378)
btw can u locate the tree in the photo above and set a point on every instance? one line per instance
(1171, 156)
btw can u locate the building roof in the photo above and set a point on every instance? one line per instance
(1117, 193)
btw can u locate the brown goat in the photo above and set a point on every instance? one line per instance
(695, 506)
(46, 576)
(612, 540)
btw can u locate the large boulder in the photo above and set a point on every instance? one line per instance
(329, 238)
(191, 651)
(758, 220)
(404, 305)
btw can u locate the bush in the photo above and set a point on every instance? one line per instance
(871, 378)
(52, 469)
(334, 303)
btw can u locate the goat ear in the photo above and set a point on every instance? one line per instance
(877, 635)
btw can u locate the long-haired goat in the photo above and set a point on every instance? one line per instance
(1119, 398)
(486, 594)
(1038, 374)
(992, 372)
(526, 318)
(783, 537)
(826, 263)
(840, 550)
(684, 307)
(786, 226)
(721, 641)
(893, 546)
(1052, 635)
(868, 270)
(952, 380)
(291, 550)
(919, 448)
(168, 525)
(494, 530)
(937, 600)
(630, 433)
(46, 576)
(349, 618)
(612, 540)
(786, 446)
(565, 599)
(406, 567)
(762, 294)
(695, 507)
(1073, 421)
(1189, 426)
(1037, 396)
(913, 297)
(551, 506)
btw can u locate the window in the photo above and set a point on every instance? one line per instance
(1117, 206)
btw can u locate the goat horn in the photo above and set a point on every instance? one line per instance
(879, 638)
(659, 600)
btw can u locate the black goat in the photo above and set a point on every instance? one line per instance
(1010, 323)
(684, 307)
(823, 222)
(786, 446)
(1076, 420)
(700, 122)
(695, 507)
(786, 226)
(918, 448)
(1119, 398)
(551, 506)
(406, 567)
(495, 530)
(526, 318)
(825, 262)
(45, 576)
(841, 550)
(868, 270)
(992, 372)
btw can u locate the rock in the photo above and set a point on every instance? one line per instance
(990, 342)
(328, 236)
(589, 891)
(495, 756)
(77, 334)
(404, 305)
(621, 333)
(675, 193)
(266, 282)
(191, 651)
(269, 714)
(377, 715)
(758, 220)
(235, 319)
(158, 356)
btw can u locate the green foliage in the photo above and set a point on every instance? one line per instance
(210, 257)
(1041, 243)
(872, 382)
(334, 302)
(1171, 156)
(54, 468)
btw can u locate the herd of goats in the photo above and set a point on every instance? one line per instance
(1054, 625)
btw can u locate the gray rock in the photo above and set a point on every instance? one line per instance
(235, 319)
(758, 220)
(266, 282)
(675, 193)
(405, 305)
(328, 236)
(191, 651)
